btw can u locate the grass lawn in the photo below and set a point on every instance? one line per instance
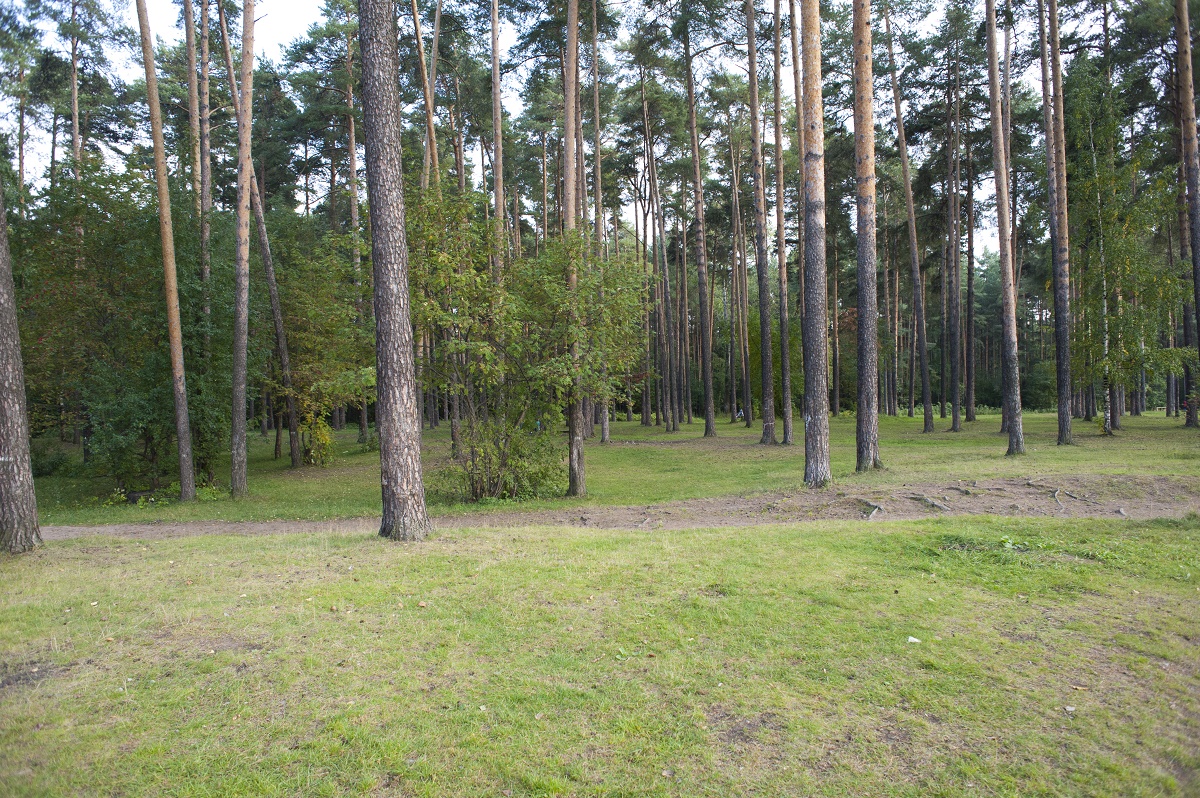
(1056, 658)
(647, 465)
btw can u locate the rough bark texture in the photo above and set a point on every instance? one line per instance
(918, 292)
(867, 417)
(241, 267)
(497, 127)
(706, 377)
(19, 529)
(785, 358)
(760, 236)
(816, 308)
(187, 473)
(1009, 363)
(1190, 156)
(399, 426)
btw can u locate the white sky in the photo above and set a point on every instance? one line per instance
(279, 22)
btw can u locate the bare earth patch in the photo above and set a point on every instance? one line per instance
(1138, 497)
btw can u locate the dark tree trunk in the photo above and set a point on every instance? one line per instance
(404, 513)
(1057, 215)
(785, 357)
(19, 529)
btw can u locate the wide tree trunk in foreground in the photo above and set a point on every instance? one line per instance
(816, 301)
(241, 267)
(404, 513)
(760, 236)
(18, 506)
(1191, 158)
(1008, 294)
(867, 417)
(187, 473)
(918, 292)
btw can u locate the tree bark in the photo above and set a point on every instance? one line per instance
(955, 260)
(1012, 378)
(921, 345)
(817, 471)
(761, 266)
(431, 158)
(867, 416)
(576, 473)
(352, 177)
(187, 474)
(1056, 168)
(264, 248)
(785, 360)
(404, 513)
(189, 30)
(241, 302)
(706, 377)
(1190, 155)
(19, 530)
(497, 136)
(205, 112)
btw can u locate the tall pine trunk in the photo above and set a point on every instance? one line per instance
(264, 248)
(785, 358)
(1009, 364)
(576, 473)
(187, 474)
(404, 513)
(19, 530)
(816, 307)
(1191, 158)
(867, 416)
(241, 300)
(918, 291)
(706, 376)
(760, 235)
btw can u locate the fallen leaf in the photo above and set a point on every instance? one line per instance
(539, 716)
(1076, 687)
(108, 639)
(422, 604)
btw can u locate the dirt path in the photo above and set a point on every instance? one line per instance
(1058, 497)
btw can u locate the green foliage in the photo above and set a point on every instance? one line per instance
(45, 457)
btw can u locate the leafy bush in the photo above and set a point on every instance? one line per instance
(510, 461)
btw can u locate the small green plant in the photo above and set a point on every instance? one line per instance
(46, 458)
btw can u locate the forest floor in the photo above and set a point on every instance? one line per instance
(1062, 496)
(702, 625)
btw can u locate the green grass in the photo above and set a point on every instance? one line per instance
(763, 661)
(647, 465)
